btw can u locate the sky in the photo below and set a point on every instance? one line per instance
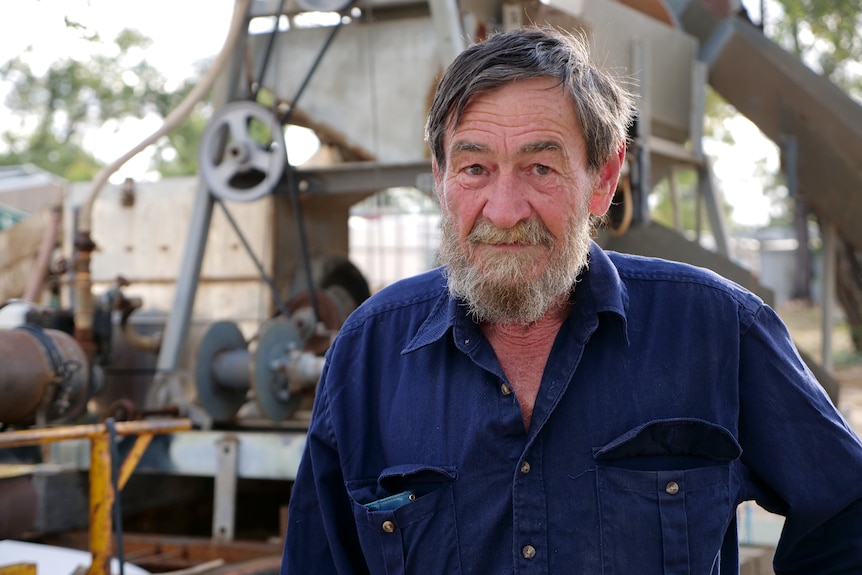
(186, 31)
(183, 33)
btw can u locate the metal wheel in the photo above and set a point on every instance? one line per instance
(242, 153)
(272, 361)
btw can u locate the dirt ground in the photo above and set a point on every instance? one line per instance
(804, 322)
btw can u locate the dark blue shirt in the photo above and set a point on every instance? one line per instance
(670, 396)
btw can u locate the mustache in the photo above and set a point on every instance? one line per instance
(527, 232)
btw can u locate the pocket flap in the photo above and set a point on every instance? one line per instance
(419, 478)
(673, 437)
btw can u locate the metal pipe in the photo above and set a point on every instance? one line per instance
(187, 281)
(102, 491)
(34, 363)
(231, 368)
(83, 305)
(238, 27)
(43, 259)
(49, 434)
(101, 503)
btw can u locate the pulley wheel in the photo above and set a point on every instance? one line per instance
(271, 358)
(242, 153)
(219, 401)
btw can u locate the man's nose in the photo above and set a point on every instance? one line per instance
(506, 203)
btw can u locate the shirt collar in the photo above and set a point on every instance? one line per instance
(599, 290)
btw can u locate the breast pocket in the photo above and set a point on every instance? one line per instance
(665, 500)
(405, 520)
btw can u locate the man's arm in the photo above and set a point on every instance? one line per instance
(799, 446)
(321, 536)
(834, 548)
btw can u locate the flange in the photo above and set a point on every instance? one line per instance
(242, 153)
(221, 402)
(272, 359)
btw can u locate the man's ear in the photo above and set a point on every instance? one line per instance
(606, 183)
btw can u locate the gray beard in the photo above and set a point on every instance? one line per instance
(503, 288)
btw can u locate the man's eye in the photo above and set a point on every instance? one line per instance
(474, 170)
(541, 170)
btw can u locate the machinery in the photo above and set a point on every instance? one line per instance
(243, 276)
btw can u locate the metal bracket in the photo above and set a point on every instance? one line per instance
(224, 498)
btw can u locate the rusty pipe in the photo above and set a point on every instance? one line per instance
(43, 259)
(130, 334)
(18, 502)
(84, 305)
(41, 370)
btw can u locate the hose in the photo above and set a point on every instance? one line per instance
(174, 119)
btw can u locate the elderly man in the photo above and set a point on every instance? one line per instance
(538, 405)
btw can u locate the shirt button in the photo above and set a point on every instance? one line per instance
(672, 488)
(528, 551)
(525, 468)
(505, 389)
(388, 527)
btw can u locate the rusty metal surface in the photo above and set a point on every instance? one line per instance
(18, 569)
(261, 566)
(102, 492)
(18, 505)
(27, 376)
(24, 375)
(101, 502)
(158, 553)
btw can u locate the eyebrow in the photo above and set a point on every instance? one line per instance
(543, 146)
(465, 146)
(526, 149)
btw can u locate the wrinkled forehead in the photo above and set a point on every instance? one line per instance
(518, 94)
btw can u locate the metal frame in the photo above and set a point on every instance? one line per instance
(102, 494)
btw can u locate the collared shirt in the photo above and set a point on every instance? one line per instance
(670, 396)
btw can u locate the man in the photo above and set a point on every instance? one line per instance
(541, 406)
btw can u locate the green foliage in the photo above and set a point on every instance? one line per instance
(662, 207)
(68, 160)
(56, 108)
(825, 34)
(716, 112)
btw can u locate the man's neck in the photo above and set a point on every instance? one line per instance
(523, 351)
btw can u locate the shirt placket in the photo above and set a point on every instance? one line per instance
(531, 546)
(530, 513)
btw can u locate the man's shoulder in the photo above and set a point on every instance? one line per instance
(411, 295)
(682, 276)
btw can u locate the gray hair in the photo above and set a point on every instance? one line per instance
(604, 108)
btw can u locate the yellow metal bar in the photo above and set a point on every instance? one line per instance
(102, 493)
(101, 502)
(133, 458)
(18, 569)
(49, 434)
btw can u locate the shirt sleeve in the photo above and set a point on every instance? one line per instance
(321, 535)
(833, 548)
(806, 462)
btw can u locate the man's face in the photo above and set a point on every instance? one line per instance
(516, 197)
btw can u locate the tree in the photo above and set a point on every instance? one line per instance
(826, 36)
(57, 108)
